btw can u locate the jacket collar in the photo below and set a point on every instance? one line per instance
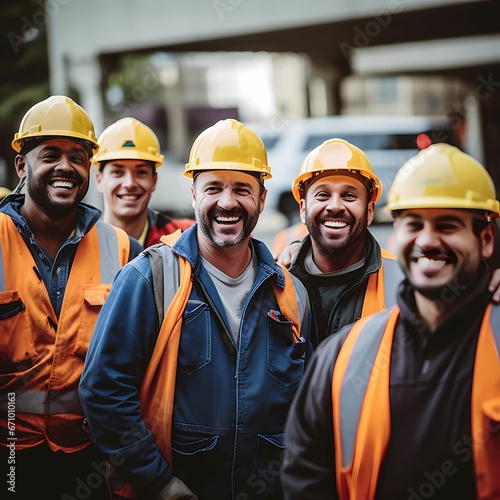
(87, 216)
(373, 256)
(187, 247)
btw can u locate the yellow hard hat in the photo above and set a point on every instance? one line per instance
(228, 145)
(128, 139)
(4, 192)
(442, 176)
(337, 156)
(57, 116)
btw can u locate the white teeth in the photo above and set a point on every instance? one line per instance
(129, 197)
(426, 263)
(335, 224)
(64, 184)
(228, 219)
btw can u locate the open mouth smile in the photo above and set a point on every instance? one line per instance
(227, 220)
(63, 184)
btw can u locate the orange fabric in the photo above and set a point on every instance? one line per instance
(486, 413)
(158, 386)
(288, 236)
(50, 352)
(359, 480)
(288, 303)
(374, 300)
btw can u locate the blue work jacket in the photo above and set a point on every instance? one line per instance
(231, 401)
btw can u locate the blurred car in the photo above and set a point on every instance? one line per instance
(388, 141)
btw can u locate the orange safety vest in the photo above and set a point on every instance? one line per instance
(361, 420)
(41, 355)
(381, 288)
(158, 386)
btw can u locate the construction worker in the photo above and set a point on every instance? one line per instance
(233, 344)
(57, 264)
(128, 159)
(406, 401)
(340, 263)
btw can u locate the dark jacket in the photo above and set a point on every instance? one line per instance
(349, 305)
(429, 451)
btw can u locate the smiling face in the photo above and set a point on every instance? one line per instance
(57, 176)
(227, 205)
(127, 186)
(437, 248)
(337, 211)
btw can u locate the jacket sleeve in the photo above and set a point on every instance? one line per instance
(119, 351)
(309, 465)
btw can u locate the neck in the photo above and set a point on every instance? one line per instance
(49, 233)
(328, 263)
(133, 227)
(231, 260)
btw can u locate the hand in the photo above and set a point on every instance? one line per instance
(176, 490)
(289, 253)
(494, 286)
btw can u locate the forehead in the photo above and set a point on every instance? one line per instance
(129, 164)
(336, 182)
(224, 177)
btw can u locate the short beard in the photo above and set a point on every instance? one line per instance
(329, 246)
(38, 193)
(204, 220)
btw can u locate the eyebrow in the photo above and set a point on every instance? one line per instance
(57, 149)
(440, 219)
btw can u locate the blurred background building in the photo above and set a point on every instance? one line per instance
(182, 65)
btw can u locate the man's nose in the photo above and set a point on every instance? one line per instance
(227, 199)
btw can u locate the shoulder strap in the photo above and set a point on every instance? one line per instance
(156, 262)
(164, 266)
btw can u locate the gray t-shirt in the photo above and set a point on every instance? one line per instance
(233, 291)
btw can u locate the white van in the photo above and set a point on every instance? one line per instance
(388, 141)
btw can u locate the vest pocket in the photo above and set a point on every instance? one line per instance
(285, 360)
(93, 300)
(195, 350)
(17, 352)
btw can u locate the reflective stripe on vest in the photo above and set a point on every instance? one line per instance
(109, 258)
(393, 275)
(361, 405)
(495, 327)
(355, 382)
(42, 402)
(381, 289)
(114, 248)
